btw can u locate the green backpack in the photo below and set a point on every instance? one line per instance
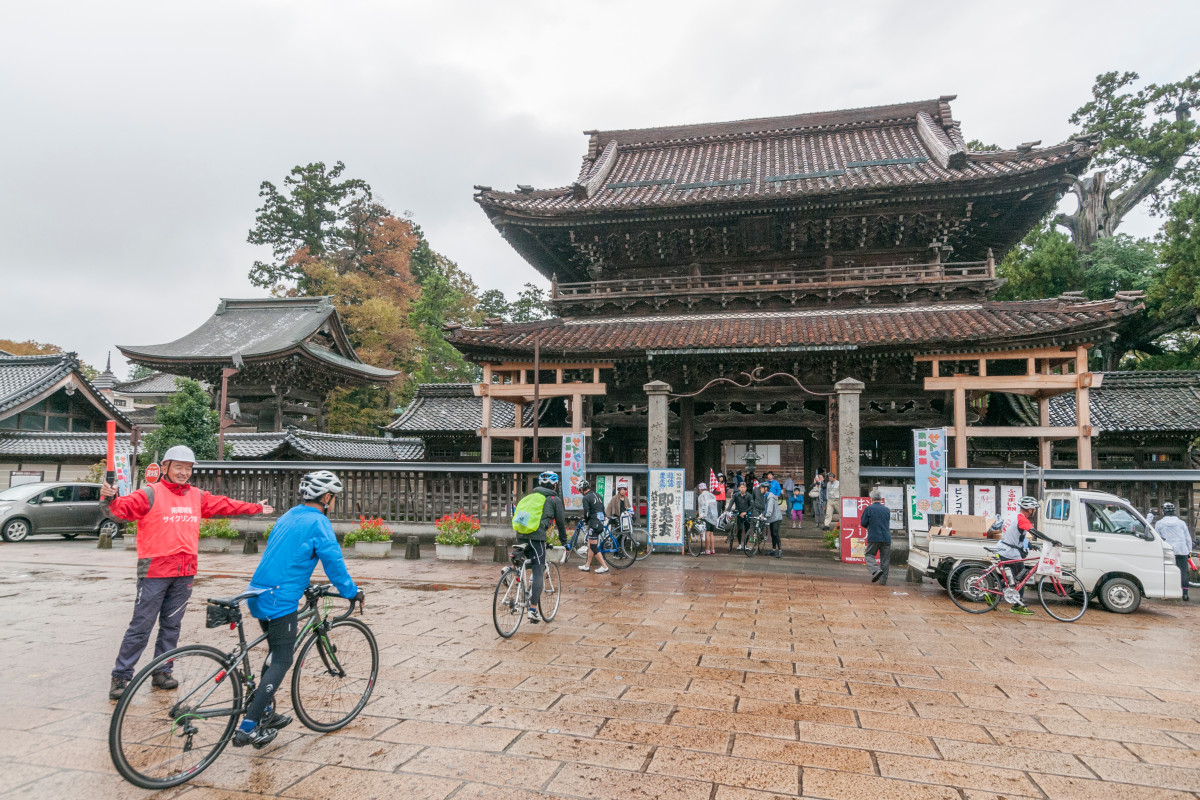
(528, 516)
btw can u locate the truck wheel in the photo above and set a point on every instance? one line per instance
(1120, 595)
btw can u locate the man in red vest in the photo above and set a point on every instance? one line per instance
(168, 514)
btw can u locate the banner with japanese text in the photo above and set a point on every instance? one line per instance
(957, 499)
(665, 513)
(124, 475)
(1010, 497)
(929, 455)
(853, 534)
(917, 521)
(574, 457)
(985, 501)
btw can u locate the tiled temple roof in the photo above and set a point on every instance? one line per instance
(240, 446)
(1126, 401)
(157, 383)
(453, 408)
(27, 378)
(909, 144)
(948, 327)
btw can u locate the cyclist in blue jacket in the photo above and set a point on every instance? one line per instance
(298, 540)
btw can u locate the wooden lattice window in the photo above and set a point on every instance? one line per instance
(758, 233)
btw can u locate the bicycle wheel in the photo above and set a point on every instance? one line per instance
(160, 738)
(551, 593)
(695, 540)
(335, 675)
(753, 540)
(1064, 598)
(973, 589)
(730, 538)
(508, 604)
(615, 553)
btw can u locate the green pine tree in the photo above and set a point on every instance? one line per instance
(188, 418)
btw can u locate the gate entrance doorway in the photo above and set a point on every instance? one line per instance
(784, 457)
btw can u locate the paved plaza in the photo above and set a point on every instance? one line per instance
(725, 678)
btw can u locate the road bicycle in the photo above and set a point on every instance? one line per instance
(510, 603)
(618, 550)
(978, 588)
(160, 738)
(693, 536)
(756, 534)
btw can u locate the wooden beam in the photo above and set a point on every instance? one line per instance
(515, 433)
(1019, 431)
(525, 390)
(513, 366)
(1058, 384)
(1056, 353)
(960, 427)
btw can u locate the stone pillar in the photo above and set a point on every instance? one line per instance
(848, 429)
(656, 446)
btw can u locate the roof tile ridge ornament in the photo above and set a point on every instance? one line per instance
(937, 142)
(600, 171)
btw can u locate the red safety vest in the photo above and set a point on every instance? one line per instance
(171, 526)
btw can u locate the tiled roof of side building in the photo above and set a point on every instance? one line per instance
(910, 144)
(156, 383)
(323, 446)
(947, 327)
(1126, 402)
(24, 378)
(35, 444)
(452, 408)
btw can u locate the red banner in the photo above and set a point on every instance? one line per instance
(854, 536)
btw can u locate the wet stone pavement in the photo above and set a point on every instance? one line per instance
(726, 678)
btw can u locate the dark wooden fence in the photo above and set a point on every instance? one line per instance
(411, 492)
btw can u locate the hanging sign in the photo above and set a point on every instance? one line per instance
(893, 498)
(929, 452)
(985, 501)
(957, 501)
(1010, 497)
(916, 520)
(853, 534)
(574, 452)
(665, 517)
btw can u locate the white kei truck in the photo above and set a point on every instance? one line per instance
(1107, 544)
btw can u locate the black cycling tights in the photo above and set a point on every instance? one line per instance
(536, 553)
(281, 637)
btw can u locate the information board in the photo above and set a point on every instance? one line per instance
(854, 535)
(665, 513)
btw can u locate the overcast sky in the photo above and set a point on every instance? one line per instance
(135, 135)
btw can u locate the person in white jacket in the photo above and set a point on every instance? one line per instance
(1174, 532)
(707, 511)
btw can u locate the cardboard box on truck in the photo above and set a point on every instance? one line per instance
(969, 527)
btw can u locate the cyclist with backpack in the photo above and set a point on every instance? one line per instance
(534, 515)
(593, 518)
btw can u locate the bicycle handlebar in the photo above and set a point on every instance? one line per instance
(314, 593)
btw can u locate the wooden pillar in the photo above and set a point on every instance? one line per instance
(1045, 446)
(687, 442)
(278, 426)
(1083, 416)
(960, 428)
(831, 440)
(576, 412)
(485, 446)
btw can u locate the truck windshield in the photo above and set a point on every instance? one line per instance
(1114, 518)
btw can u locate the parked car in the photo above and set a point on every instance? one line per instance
(68, 509)
(1106, 543)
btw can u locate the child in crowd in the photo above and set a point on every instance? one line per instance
(797, 506)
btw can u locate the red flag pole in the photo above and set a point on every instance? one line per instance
(110, 466)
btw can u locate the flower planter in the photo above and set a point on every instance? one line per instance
(555, 553)
(213, 544)
(373, 549)
(130, 542)
(450, 552)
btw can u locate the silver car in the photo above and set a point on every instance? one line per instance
(67, 509)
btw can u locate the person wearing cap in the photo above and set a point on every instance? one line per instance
(878, 521)
(168, 514)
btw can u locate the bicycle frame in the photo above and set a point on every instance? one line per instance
(606, 537)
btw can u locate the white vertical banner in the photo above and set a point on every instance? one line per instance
(917, 521)
(665, 512)
(985, 501)
(1010, 497)
(574, 455)
(957, 501)
(893, 498)
(124, 475)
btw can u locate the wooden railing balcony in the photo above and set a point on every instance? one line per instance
(805, 280)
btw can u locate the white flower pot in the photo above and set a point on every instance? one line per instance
(130, 542)
(211, 544)
(454, 552)
(373, 549)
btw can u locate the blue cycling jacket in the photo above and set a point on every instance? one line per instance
(298, 540)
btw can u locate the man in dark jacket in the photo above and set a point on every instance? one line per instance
(877, 519)
(741, 511)
(593, 519)
(553, 513)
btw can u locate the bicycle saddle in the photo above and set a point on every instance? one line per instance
(232, 602)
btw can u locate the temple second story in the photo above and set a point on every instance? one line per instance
(882, 205)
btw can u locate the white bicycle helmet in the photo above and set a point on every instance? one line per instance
(1029, 502)
(318, 484)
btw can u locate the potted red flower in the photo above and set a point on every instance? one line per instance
(456, 539)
